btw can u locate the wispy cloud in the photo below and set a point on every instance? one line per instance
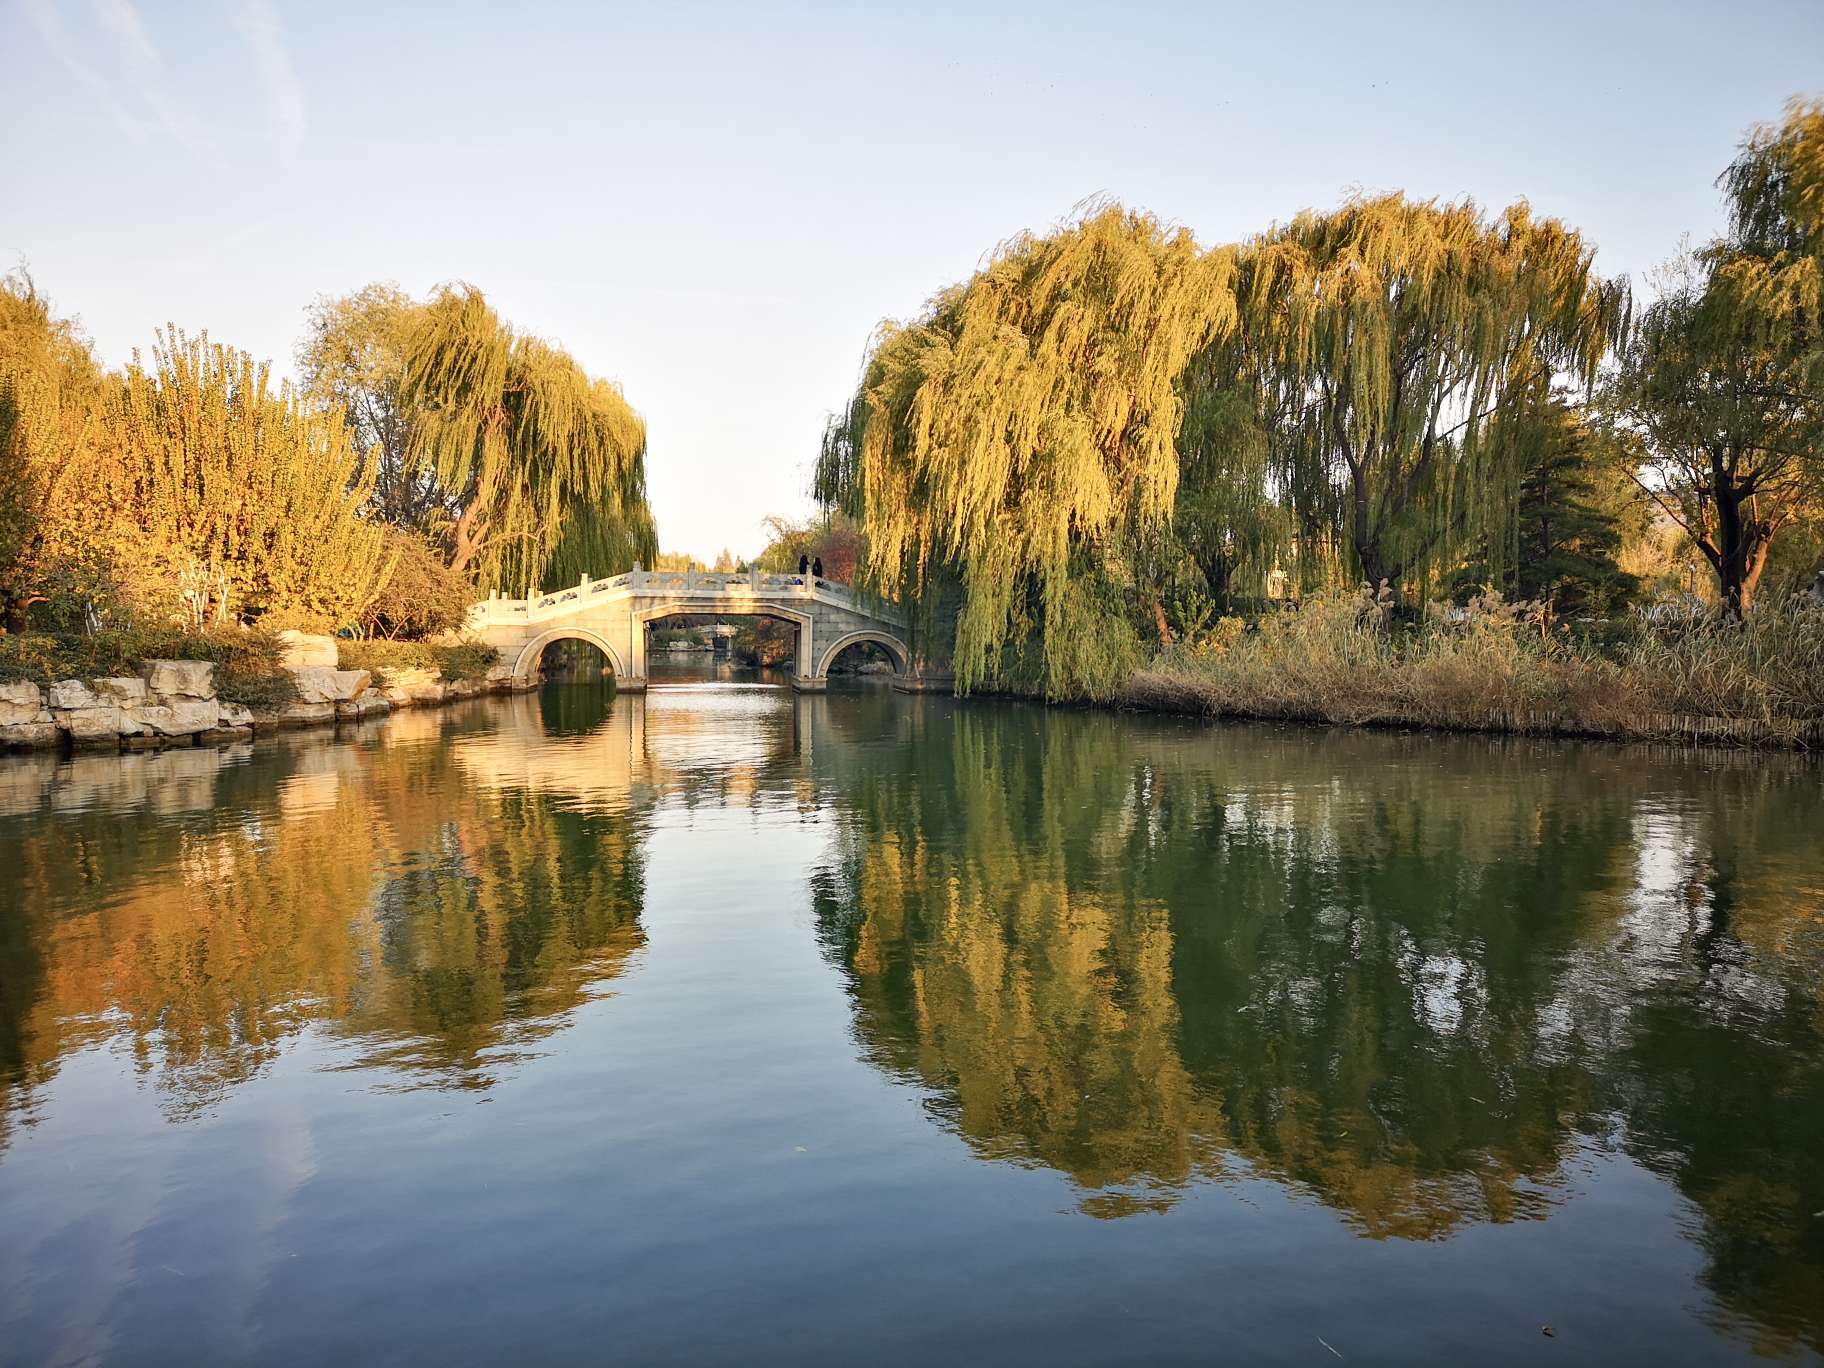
(258, 22)
(122, 20)
(49, 23)
(147, 72)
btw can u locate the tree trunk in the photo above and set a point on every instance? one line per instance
(471, 532)
(1367, 546)
(1742, 542)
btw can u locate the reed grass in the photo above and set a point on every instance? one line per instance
(1342, 658)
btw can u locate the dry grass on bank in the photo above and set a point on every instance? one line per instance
(1341, 659)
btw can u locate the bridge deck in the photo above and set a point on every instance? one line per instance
(613, 615)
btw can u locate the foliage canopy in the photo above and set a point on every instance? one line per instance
(494, 444)
(542, 461)
(1388, 336)
(1011, 439)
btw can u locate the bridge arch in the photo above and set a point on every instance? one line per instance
(645, 617)
(892, 645)
(535, 648)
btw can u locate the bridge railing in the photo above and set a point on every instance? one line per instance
(497, 611)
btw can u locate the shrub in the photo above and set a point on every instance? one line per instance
(423, 597)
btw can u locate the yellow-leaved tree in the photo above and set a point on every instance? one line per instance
(1007, 448)
(245, 504)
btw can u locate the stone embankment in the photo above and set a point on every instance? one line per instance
(174, 703)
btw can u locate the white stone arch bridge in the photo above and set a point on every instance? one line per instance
(613, 616)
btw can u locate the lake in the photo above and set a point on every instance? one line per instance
(725, 1025)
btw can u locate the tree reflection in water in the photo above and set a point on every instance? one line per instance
(207, 909)
(1416, 978)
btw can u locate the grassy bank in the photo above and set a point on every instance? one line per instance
(1343, 659)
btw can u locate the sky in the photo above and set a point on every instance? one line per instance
(716, 205)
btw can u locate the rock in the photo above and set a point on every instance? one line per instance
(71, 693)
(123, 693)
(236, 715)
(29, 735)
(100, 723)
(178, 678)
(223, 736)
(318, 685)
(179, 717)
(306, 652)
(151, 741)
(21, 702)
(314, 683)
(297, 715)
(367, 705)
(411, 697)
(405, 688)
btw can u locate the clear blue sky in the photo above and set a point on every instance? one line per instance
(715, 204)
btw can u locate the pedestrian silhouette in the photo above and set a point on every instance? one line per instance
(817, 568)
(804, 564)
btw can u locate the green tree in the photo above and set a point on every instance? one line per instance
(1226, 519)
(528, 444)
(1730, 432)
(1575, 505)
(1772, 263)
(352, 357)
(1388, 337)
(1725, 380)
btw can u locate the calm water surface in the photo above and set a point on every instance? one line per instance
(731, 1026)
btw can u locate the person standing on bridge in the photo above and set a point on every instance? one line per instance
(804, 565)
(817, 568)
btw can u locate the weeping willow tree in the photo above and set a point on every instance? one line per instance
(1227, 519)
(1770, 268)
(540, 460)
(1389, 336)
(493, 444)
(1006, 450)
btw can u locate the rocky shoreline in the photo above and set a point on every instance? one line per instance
(175, 703)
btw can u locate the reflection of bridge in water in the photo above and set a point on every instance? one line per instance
(613, 615)
(694, 745)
